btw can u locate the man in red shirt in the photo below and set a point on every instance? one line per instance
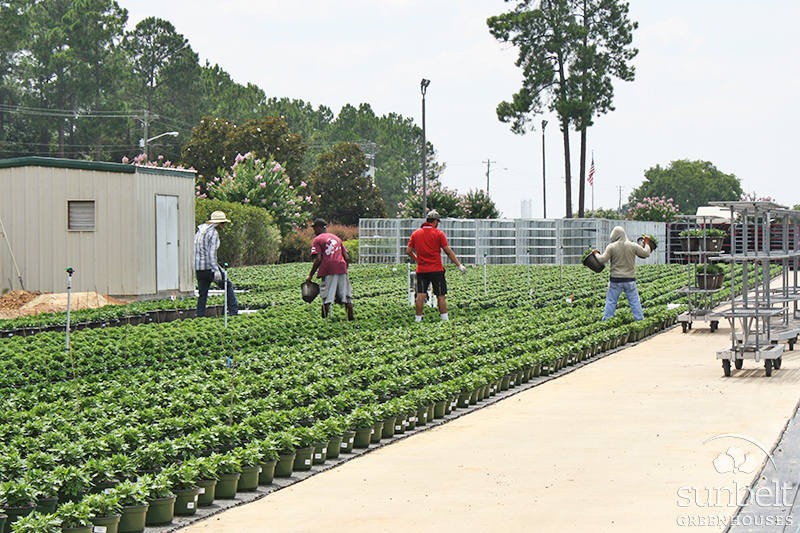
(424, 247)
(331, 258)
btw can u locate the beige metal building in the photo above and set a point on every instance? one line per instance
(126, 230)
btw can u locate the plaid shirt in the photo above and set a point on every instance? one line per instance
(206, 243)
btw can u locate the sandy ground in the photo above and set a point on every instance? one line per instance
(636, 441)
(18, 303)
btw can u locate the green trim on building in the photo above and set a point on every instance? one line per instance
(55, 162)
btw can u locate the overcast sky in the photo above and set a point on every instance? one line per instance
(715, 80)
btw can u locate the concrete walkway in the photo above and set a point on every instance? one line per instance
(650, 438)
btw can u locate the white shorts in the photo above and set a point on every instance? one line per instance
(335, 288)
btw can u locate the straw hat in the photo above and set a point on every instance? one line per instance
(218, 217)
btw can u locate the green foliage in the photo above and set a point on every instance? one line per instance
(296, 246)
(130, 493)
(343, 191)
(708, 232)
(690, 184)
(710, 268)
(352, 249)
(102, 504)
(17, 493)
(447, 202)
(261, 183)
(156, 486)
(608, 214)
(250, 239)
(216, 142)
(73, 514)
(659, 209)
(37, 522)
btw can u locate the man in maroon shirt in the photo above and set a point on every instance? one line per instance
(424, 247)
(331, 258)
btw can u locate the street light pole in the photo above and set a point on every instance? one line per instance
(144, 142)
(423, 85)
(544, 182)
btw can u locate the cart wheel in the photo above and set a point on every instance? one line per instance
(690, 325)
(685, 326)
(726, 367)
(768, 366)
(776, 363)
(738, 363)
(714, 326)
(791, 343)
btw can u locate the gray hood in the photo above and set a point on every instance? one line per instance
(618, 234)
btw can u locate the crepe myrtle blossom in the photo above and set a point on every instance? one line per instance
(263, 183)
(654, 209)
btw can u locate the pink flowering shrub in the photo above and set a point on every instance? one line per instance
(655, 209)
(141, 160)
(262, 183)
(475, 204)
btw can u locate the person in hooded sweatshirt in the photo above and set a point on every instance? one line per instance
(622, 254)
(207, 270)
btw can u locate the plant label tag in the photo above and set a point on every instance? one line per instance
(343, 445)
(307, 461)
(317, 456)
(260, 469)
(99, 529)
(398, 427)
(325, 450)
(190, 505)
(107, 491)
(202, 490)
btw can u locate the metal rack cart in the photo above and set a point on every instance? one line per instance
(699, 252)
(767, 234)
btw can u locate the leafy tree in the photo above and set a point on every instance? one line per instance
(690, 184)
(215, 144)
(343, 190)
(609, 214)
(164, 77)
(261, 183)
(222, 97)
(568, 51)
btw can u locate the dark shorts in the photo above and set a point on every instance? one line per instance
(436, 279)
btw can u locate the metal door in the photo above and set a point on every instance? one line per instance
(166, 242)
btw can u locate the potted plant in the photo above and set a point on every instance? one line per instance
(286, 443)
(132, 497)
(74, 517)
(229, 471)
(101, 476)
(160, 497)
(250, 460)
(18, 498)
(709, 276)
(207, 479)
(183, 480)
(72, 481)
(653, 242)
(589, 259)
(46, 485)
(38, 523)
(267, 459)
(105, 510)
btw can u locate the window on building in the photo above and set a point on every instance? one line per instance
(81, 215)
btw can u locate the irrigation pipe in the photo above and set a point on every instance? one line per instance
(13, 258)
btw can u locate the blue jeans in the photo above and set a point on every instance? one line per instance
(615, 289)
(204, 280)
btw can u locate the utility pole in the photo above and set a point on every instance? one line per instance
(544, 181)
(423, 86)
(619, 207)
(488, 170)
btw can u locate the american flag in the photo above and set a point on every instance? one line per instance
(591, 173)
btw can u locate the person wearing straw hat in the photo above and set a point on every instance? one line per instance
(207, 270)
(425, 247)
(331, 259)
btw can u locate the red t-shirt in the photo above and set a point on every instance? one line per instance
(329, 246)
(428, 243)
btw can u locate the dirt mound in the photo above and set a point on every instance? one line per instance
(23, 303)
